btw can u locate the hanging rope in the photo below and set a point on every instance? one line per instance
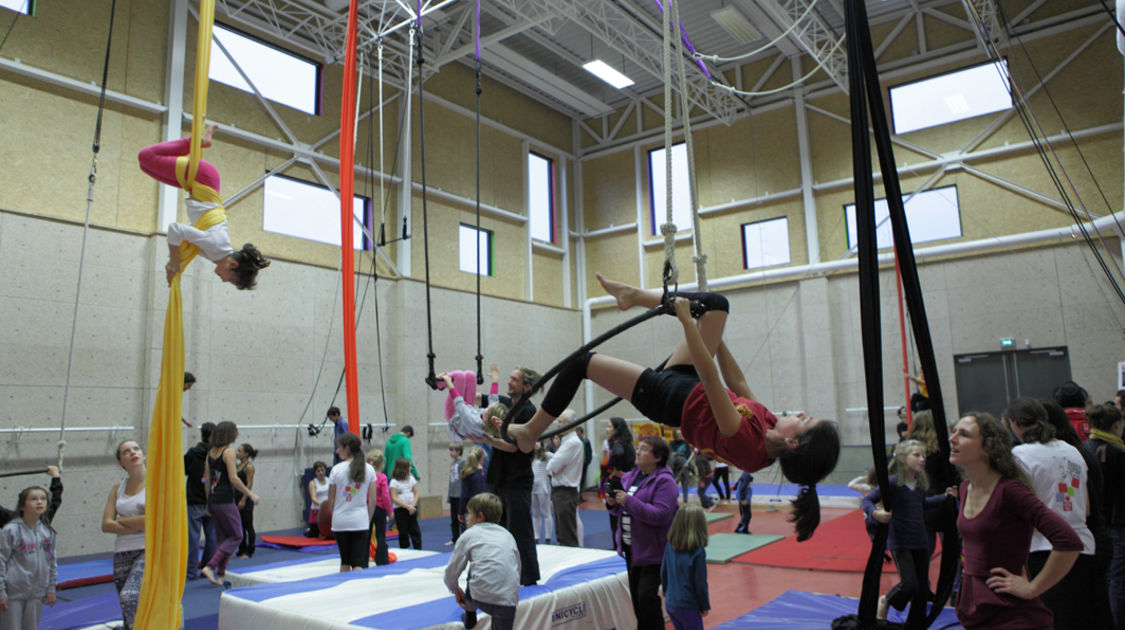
(347, 193)
(91, 181)
(700, 259)
(480, 356)
(431, 376)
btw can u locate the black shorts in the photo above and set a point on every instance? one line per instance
(355, 547)
(660, 396)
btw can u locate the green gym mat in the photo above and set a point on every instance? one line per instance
(722, 547)
(717, 516)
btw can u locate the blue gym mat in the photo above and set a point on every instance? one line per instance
(797, 610)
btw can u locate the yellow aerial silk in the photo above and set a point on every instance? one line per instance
(166, 498)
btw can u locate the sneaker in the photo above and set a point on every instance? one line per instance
(469, 618)
(884, 605)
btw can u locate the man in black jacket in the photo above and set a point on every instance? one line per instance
(198, 519)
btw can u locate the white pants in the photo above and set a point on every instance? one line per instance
(22, 614)
(541, 511)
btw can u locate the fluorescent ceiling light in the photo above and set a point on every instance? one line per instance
(606, 73)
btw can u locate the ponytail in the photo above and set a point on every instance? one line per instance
(810, 462)
(357, 470)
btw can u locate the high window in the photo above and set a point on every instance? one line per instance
(541, 197)
(27, 7)
(950, 97)
(681, 192)
(475, 248)
(765, 243)
(932, 215)
(280, 76)
(296, 208)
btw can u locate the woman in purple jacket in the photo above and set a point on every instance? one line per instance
(645, 509)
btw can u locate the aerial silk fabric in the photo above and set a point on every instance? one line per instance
(166, 506)
(347, 191)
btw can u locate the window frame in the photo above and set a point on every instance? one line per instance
(318, 88)
(490, 247)
(368, 213)
(745, 249)
(655, 224)
(552, 193)
(851, 248)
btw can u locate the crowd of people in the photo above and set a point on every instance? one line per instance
(1040, 511)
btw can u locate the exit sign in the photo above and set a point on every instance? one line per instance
(1007, 342)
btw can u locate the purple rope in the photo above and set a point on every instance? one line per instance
(687, 42)
(419, 13)
(478, 30)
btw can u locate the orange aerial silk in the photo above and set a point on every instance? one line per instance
(165, 496)
(347, 192)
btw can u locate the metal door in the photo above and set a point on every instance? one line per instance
(988, 381)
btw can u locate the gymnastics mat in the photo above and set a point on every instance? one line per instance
(778, 495)
(98, 611)
(582, 588)
(840, 544)
(304, 568)
(722, 547)
(797, 610)
(77, 574)
(295, 542)
(717, 516)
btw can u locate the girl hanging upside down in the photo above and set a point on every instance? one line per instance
(466, 419)
(237, 267)
(725, 422)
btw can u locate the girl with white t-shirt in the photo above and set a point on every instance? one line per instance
(1059, 477)
(405, 501)
(351, 499)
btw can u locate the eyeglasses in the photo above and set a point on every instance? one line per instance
(644, 449)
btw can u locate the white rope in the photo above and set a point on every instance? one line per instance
(774, 41)
(700, 259)
(669, 227)
(790, 85)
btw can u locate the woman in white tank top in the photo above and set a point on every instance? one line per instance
(318, 493)
(124, 515)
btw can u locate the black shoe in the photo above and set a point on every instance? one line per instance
(469, 618)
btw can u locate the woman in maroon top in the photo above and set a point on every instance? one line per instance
(998, 512)
(723, 420)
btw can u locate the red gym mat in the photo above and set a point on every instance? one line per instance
(296, 541)
(840, 544)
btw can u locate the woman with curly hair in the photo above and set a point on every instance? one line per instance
(999, 511)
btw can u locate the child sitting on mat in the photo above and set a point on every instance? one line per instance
(493, 583)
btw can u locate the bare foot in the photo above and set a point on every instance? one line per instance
(210, 575)
(623, 293)
(207, 133)
(523, 437)
(884, 605)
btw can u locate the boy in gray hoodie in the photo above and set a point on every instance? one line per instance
(28, 563)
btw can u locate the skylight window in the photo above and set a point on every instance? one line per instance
(681, 192)
(279, 76)
(932, 215)
(951, 97)
(296, 208)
